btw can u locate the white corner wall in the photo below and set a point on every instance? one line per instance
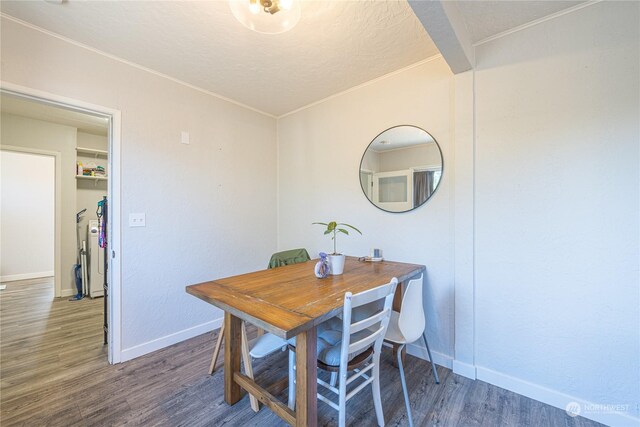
(536, 225)
(27, 215)
(210, 206)
(320, 149)
(557, 214)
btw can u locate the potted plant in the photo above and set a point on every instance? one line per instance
(336, 260)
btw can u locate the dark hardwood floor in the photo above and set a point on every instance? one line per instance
(54, 371)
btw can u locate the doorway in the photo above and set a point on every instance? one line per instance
(100, 174)
(27, 213)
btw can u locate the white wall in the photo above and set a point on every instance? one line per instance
(320, 149)
(557, 285)
(399, 159)
(96, 142)
(370, 161)
(545, 238)
(38, 134)
(27, 215)
(210, 206)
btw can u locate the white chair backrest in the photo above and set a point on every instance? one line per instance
(381, 319)
(411, 320)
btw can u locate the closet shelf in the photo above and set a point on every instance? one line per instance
(92, 152)
(96, 178)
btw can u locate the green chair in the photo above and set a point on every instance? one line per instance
(292, 256)
(265, 344)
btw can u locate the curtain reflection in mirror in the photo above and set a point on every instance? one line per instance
(421, 187)
(424, 184)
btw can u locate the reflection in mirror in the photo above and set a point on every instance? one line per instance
(401, 168)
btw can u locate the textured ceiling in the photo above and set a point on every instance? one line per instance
(335, 46)
(487, 18)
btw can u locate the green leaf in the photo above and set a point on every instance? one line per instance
(327, 231)
(332, 225)
(351, 226)
(320, 223)
(342, 230)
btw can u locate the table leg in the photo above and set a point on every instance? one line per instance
(397, 305)
(232, 353)
(306, 379)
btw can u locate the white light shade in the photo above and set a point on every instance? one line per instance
(286, 4)
(264, 22)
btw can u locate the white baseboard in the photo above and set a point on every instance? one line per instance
(67, 292)
(438, 358)
(166, 341)
(551, 397)
(559, 399)
(71, 292)
(26, 276)
(464, 369)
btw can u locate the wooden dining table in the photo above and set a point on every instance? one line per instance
(289, 302)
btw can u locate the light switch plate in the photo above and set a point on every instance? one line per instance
(184, 137)
(137, 220)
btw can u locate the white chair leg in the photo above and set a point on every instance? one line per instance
(292, 381)
(375, 390)
(216, 350)
(342, 412)
(404, 386)
(433, 365)
(342, 397)
(334, 379)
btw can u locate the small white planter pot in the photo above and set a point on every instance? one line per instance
(336, 264)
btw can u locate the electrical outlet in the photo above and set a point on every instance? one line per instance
(184, 137)
(137, 220)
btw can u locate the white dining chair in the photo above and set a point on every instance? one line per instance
(406, 327)
(344, 347)
(262, 346)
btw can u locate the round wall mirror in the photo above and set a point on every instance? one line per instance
(401, 168)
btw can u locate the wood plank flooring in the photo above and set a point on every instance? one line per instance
(54, 371)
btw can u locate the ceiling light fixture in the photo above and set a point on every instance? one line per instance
(266, 16)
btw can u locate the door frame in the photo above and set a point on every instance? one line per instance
(114, 229)
(369, 191)
(57, 210)
(394, 206)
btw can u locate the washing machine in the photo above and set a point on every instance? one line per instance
(96, 261)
